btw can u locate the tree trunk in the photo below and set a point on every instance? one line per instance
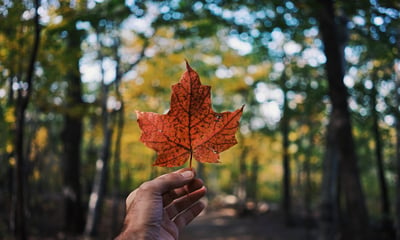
(330, 190)
(307, 172)
(72, 139)
(99, 188)
(116, 172)
(242, 184)
(22, 104)
(102, 164)
(385, 204)
(242, 189)
(254, 179)
(286, 196)
(398, 153)
(340, 129)
(20, 224)
(120, 114)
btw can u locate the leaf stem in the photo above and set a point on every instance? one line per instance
(190, 161)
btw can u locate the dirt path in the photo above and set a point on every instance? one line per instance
(224, 225)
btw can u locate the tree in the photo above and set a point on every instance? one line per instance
(101, 174)
(110, 117)
(397, 79)
(71, 134)
(385, 203)
(286, 182)
(334, 37)
(238, 48)
(72, 139)
(21, 106)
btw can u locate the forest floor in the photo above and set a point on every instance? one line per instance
(224, 224)
(216, 223)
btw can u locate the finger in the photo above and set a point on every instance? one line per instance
(130, 199)
(186, 217)
(169, 181)
(183, 203)
(163, 184)
(170, 227)
(179, 192)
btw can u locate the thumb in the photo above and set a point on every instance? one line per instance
(163, 184)
(169, 181)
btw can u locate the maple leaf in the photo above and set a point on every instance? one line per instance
(190, 128)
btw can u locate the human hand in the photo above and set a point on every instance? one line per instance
(159, 208)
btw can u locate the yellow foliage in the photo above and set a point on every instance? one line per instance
(36, 174)
(293, 136)
(9, 116)
(9, 147)
(41, 138)
(293, 148)
(304, 129)
(12, 161)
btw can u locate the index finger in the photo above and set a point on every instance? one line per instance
(176, 193)
(163, 184)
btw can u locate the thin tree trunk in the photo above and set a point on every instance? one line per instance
(340, 129)
(99, 188)
(286, 184)
(20, 225)
(397, 73)
(242, 188)
(254, 179)
(117, 152)
(102, 164)
(117, 172)
(11, 181)
(307, 180)
(309, 109)
(22, 104)
(385, 203)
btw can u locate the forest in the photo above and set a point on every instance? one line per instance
(318, 147)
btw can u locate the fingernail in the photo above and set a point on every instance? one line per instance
(187, 174)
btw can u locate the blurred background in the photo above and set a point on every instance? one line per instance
(318, 153)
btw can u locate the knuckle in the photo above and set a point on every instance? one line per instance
(146, 186)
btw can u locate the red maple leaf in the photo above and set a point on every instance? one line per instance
(190, 128)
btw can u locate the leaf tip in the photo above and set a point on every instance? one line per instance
(187, 65)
